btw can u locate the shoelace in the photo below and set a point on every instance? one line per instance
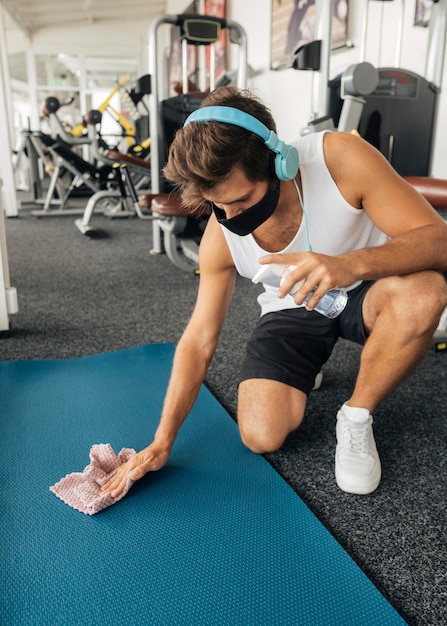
(356, 436)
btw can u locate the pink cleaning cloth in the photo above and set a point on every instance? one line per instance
(82, 490)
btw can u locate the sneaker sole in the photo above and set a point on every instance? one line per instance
(357, 489)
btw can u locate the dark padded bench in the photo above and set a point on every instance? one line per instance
(433, 189)
(164, 204)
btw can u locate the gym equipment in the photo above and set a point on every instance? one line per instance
(215, 537)
(67, 169)
(122, 188)
(58, 154)
(399, 116)
(81, 172)
(32, 148)
(50, 109)
(392, 108)
(80, 128)
(357, 82)
(433, 189)
(181, 233)
(169, 114)
(55, 155)
(98, 174)
(35, 145)
(132, 98)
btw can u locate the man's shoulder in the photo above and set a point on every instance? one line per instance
(214, 249)
(310, 145)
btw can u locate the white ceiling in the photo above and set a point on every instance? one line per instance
(33, 15)
(109, 33)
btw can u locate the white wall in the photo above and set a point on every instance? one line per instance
(288, 92)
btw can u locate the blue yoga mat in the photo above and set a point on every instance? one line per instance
(215, 537)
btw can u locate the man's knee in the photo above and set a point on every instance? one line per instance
(428, 299)
(268, 411)
(261, 440)
(416, 300)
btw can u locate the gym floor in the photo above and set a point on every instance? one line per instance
(79, 296)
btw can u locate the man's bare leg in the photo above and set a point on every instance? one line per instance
(267, 412)
(400, 315)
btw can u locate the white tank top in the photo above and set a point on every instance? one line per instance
(334, 226)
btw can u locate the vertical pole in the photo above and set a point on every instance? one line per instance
(239, 36)
(364, 32)
(83, 84)
(8, 294)
(324, 11)
(6, 165)
(399, 37)
(436, 52)
(32, 88)
(437, 43)
(155, 118)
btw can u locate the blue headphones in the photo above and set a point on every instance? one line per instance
(286, 159)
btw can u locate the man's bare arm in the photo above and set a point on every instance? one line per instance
(192, 357)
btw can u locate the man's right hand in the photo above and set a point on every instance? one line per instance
(151, 459)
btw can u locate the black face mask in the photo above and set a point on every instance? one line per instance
(250, 219)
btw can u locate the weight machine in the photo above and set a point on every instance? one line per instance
(173, 232)
(129, 173)
(392, 108)
(98, 173)
(65, 162)
(58, 154)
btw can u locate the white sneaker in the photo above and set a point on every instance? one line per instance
(357, 464)
(318, 381)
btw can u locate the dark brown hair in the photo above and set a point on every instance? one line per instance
(204, 153)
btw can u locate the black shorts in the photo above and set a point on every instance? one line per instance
(291, 346)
